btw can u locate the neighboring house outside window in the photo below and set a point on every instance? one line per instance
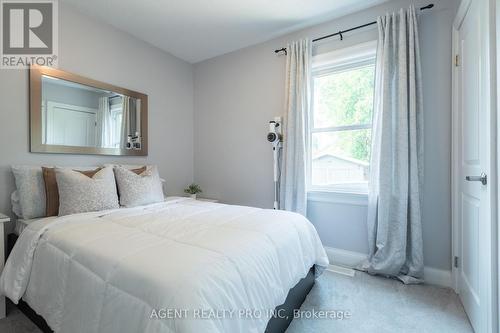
(340, 123)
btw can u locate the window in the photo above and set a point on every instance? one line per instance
(116, 124)
(341, 120)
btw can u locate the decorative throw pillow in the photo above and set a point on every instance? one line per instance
(31, 190)
(140, 170)
(79, 193)
(16, 205)
(138, 189)
(137, 168)
(51, 190)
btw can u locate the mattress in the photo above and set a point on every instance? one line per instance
(179, 266)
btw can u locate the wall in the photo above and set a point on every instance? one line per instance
(71, 95)
(98, 51)
(238, 93)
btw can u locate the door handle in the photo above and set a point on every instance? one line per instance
(482, 178)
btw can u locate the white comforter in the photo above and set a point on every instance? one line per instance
(178, 266)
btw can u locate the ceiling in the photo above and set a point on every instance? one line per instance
(195, 30)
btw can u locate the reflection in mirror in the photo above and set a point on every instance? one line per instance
(74, 114)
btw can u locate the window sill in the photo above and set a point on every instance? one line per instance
(336, 197)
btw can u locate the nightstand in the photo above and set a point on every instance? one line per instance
(3, 219)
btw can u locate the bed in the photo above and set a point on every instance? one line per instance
(21, 224)
(177, 266)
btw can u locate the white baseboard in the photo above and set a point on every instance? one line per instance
(352, 259)
(344, 258)
(438, 277)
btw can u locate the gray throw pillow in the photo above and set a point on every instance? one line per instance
(137, 190)
(31, 191)
(79, 193)
(16, 204)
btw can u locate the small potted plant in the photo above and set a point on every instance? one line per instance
(193, 190)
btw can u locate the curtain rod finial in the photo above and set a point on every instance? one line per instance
(283, 49)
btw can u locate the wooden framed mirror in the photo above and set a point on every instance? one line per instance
(72, 114)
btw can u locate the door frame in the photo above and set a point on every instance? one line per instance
(491, 11)
(495, 26)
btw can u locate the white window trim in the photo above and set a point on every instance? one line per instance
(336, 197)
(324, 64)
(353, 54)
(115, 109)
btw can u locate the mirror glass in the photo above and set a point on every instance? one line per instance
(74, 114)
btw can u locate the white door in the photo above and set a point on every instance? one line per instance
(474, 196)
(71, 125)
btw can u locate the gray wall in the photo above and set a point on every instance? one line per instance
(98, 51)
(235, 95)
(71, 95)
(238, 93)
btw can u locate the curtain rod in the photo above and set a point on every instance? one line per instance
(341, 32)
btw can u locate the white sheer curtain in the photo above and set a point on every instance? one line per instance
(394, 221)
(126, 122)
(293, 194)
(104, 121)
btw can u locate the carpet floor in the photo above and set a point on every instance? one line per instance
(377, 304)
(367, 304)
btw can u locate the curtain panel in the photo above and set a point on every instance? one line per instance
(293, 196)
(394, 208)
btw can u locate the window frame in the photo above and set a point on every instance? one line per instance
(115, 110)
(337, 61)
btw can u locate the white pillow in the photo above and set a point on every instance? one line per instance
(137, 190)
(31, 189)
(126, 166)
(16, 205)
(133, 166)
(79, 193)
